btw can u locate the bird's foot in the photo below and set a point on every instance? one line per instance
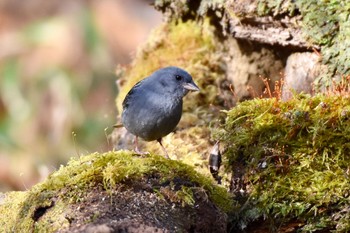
(139, 152)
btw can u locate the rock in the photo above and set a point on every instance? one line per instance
(248, 64)
(300, 73)
(119, 192)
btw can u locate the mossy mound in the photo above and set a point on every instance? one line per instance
(193, 47)
(296, 159)
(100, 188)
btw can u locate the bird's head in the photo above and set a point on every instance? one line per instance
(175, 81)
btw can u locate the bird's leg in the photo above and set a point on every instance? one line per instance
(164, 150)
(137, 150)
(136, 145)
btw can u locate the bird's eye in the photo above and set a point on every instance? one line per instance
(178, 77)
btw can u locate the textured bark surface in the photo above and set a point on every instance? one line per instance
(277, 29)
(268, 30)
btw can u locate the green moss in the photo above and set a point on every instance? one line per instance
(327, 23)
(267, 7)
(68, 185)
(296, 155)
(8, 203)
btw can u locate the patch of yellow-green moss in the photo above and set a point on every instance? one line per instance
(20, 211)
(296, 156)
(10, 202)
(194, 47)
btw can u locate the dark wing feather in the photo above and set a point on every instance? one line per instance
(130, 93)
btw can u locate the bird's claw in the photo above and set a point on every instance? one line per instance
(139, 152)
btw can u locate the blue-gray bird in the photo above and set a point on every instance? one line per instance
(153, 107)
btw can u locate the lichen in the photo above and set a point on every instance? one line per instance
(296, 159)
(327, 23)
(45, 207)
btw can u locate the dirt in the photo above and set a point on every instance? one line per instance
(145, 206)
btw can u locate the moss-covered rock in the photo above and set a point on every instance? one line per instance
(118, 190)
(290, 162)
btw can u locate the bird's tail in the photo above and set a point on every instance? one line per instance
(118, 125)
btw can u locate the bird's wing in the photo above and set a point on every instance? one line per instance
(130, 93)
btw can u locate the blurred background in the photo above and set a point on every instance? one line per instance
(57, 79)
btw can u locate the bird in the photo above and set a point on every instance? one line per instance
(153, 106)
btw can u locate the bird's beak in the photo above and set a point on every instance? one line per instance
(190, 86)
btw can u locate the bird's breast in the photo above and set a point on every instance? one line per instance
(152, 118)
